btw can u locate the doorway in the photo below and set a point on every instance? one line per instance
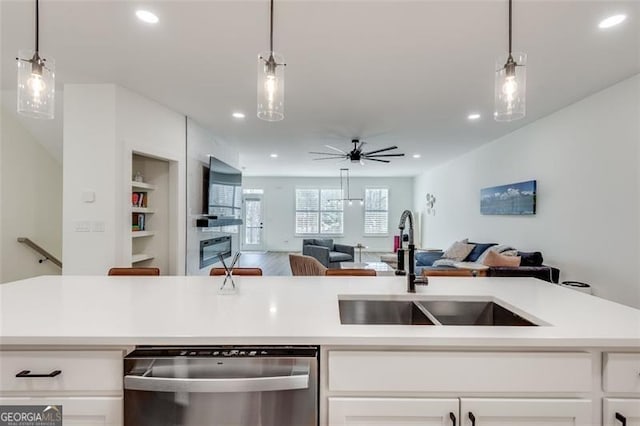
(253, 238)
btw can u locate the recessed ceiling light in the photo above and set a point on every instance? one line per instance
(238, 115)
(612, 21)
(146, 16)
(274, 156)
(416, 156)
(473, 116)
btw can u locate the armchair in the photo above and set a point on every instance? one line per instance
(328, 253)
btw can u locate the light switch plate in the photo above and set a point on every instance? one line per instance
(82, 226)
(97, 226)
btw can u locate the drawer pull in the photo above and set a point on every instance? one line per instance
(622, 419)
(27, 374)
(453, 418)
(472, 418)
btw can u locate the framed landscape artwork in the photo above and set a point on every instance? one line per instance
(514, 199)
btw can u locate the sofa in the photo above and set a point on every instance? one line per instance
(328, 253)
(531, 264)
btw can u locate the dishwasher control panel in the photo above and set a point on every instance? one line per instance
(224, 352)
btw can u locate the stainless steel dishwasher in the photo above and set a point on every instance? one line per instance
(221, 386)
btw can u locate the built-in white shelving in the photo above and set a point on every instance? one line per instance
(140, 257)
(143, 185)
(142, 210)
(139, 234)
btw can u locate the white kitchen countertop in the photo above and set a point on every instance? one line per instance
(97, 310)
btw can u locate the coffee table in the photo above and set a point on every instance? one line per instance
(381, 268)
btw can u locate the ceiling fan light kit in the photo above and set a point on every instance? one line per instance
(510, 82)
(270, 81)
(36, 79)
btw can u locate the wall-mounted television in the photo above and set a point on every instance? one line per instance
(222, 190)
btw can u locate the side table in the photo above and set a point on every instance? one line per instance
(360, 246)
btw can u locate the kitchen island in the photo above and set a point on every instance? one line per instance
(579, 364)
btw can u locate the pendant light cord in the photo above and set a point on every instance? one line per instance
(37, 26)
(510, 1)
(271, 30)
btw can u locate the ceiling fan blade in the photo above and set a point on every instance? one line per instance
(375, 159)
(327, 158)
(335, 149)
(361, 145)
(382, 155)
(361, 161)
(327, 153)
(381, 150)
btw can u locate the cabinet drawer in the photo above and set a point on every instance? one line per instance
(621, 372)
(80, 371)
(626, 409)
(78, 411)
(459, 371)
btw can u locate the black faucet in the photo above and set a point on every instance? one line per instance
(411, 276)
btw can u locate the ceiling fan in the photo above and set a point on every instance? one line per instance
(357, 155)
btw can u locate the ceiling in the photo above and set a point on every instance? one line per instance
(405, 73)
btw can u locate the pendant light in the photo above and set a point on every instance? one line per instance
(344, 173)
(270, 82)
(511, 79)
(36, 80)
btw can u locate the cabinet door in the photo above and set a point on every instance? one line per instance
(392, 411)
(78, 411)
(525, 412)
(628, 411)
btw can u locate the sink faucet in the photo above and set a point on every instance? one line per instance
(411, 276)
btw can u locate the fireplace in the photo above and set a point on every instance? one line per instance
(211, 248)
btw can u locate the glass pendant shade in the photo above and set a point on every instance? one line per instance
(510, 88)
(36, 85)
(270, 87)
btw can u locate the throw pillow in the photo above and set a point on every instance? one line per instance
(458, 250)
(530, 259)
(501, 248)
(444, 262)
(497, 259)
(478, 250)
(426, 258)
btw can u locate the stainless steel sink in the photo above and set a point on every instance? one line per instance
(382, 312)
(428, 312)
(454, 312)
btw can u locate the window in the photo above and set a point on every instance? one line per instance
(376, 211)
(319, 211)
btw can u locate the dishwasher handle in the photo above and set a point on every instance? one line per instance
(253, 384)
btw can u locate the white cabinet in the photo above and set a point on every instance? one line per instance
(393, 411)
(621, 372)
(88, 384)
(80, 411)
(525, 412)
(498, 388)
(621, 412)
(81, 372)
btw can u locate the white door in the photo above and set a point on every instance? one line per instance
(253, 222)
(525, 412)
(621, 412)
(393, 412)
(78, 411)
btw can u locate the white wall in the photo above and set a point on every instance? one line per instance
(103, 125)
(31, 206)
(585, 158)
(200, 144)
(279, 209)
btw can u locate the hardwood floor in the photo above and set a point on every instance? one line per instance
(277, 262)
